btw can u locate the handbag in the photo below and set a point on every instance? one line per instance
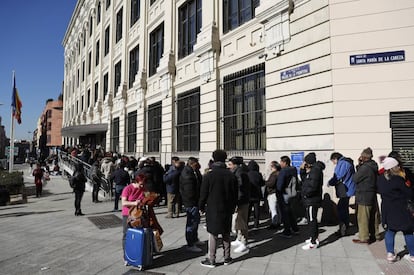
(157, 241)
(138, 217)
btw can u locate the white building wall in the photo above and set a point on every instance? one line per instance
(333, 107)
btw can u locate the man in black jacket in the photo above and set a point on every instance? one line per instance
(218, 195)
(190, 182)
(121, 179)
(311, 173)
(288, 218)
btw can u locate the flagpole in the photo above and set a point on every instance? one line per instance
(11, 152)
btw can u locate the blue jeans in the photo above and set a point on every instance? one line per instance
(390, 239)
(191, 226)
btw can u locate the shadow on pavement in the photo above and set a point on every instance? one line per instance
(19, 214)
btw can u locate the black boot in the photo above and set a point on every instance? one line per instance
(80, 213)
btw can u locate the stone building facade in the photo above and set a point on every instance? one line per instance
(258, 78)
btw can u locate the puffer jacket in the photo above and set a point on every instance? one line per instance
(312, 183)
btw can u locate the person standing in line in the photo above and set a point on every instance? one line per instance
(190, 182)
(256, 181)
(311, 173)
(288, 218)
(132, 195)
(38, 176)
(395, 215)
(218, 199)
(344, 188)
(271, 195)
(121, 179)
(96, 181)
(241, 215)
(172, 182)
(365, 179)
(79, 180)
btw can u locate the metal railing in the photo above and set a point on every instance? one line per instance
(68, 162)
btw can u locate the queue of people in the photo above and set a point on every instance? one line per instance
(229, 193)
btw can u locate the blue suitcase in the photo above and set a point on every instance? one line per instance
(138, 247)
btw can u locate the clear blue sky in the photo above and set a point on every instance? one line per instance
(31, 35)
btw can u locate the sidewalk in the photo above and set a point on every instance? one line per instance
(44, 237)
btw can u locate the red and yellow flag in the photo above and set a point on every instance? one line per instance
(16, 103)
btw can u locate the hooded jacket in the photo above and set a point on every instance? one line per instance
(256, 181)
(312, 183)
(365, 179)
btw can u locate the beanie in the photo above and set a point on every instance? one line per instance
(367, 153)
(310, 158)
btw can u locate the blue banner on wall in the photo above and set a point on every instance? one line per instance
(373, 58)
(304, 69)
(297, 159)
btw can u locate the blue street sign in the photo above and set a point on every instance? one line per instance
(297, 159)
(373, 58)
(304, 69)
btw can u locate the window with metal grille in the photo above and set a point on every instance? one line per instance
(190, 16)
(154, 127)
(117, 76)
(133, 65)
(118, 32)
(188, 121)
(156, 48)
(115, 135)
(244, 110)
(237, 12)
(135, 11)
(131, 131)
(402, 126)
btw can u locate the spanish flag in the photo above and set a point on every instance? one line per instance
(16, 103)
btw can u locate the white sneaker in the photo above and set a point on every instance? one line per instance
(236, 243)
(310, 239)
(309, 246)
(194, 249)
(303, 221)
(242, 248)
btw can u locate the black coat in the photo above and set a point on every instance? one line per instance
(219, 193)
(312, 183)
(365, 179)
(79, 180)
(190, 183)
(256, 181)
(244, 184)
(395, 194)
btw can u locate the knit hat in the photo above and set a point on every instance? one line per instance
(367, 153)
(389, 163)
(236, 160)
(219, 155)
(310, 158)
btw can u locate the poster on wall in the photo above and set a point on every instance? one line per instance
(297, 159)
